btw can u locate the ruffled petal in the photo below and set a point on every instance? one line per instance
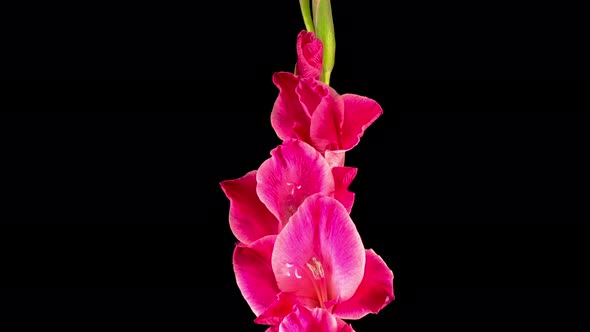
(374, 292)
(312, 95)
(303, 319)
(288, 117)
(309, 55)
(343, 177)
(294, 171)
(359, 113)
(326, 123)
(249, 219)
(254, 275)
(319, 253)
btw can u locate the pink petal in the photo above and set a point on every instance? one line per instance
(326, 123)
(343, 177)
(312, 95)
(319, 254)
(359, 113)
(254, 275)
(309, 55)
(281, 307)
(294, 171)
(374, 292)
(249, 219)
(313, 320)
(288, 117)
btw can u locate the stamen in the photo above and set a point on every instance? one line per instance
(318, 281)
(316, 268)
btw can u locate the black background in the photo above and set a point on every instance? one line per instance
(230, 40)
(473, 190)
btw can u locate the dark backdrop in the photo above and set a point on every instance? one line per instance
(224, 39)
(473, 191)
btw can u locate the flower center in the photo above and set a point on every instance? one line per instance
(318, 279)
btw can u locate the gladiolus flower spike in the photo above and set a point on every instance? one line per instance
(300, 262)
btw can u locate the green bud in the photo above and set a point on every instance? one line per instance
(306, 13)
(324, 30)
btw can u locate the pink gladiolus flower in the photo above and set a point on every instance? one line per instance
(309, 55)
(262, 201)
(318, 261)
(311, 111)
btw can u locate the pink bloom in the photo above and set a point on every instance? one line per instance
(311, 111)
(294, 172)
(318, 261)
(262, 201)
(309, 55)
